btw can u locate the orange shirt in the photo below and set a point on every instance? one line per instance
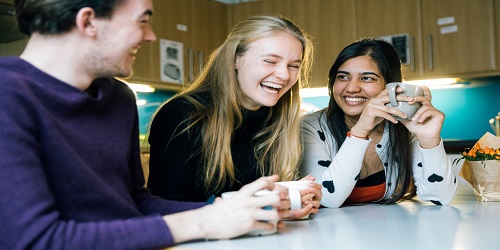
(371, 188)
(366, 194)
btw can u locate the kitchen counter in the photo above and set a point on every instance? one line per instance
(414, 224)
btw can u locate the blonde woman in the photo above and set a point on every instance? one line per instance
(239, 120)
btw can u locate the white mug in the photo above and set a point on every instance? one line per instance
(228, 195)
(294, 188)
(409, 90)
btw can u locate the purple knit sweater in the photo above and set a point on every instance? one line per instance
(70, 171)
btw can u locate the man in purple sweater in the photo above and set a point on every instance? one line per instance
(70, 171)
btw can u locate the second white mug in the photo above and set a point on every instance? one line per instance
(294, 188)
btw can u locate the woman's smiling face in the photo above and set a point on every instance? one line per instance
(357, 81)
(268, 69)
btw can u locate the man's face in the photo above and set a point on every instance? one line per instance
(119, 38)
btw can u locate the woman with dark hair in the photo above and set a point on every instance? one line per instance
(356, 148)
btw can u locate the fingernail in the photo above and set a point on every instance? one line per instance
(211, 199)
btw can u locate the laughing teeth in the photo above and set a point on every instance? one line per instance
(355, 99)
(133, 51)
(272, 85)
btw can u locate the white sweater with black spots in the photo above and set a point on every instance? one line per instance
(337, 171)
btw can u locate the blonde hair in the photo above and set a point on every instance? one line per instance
(278, 146)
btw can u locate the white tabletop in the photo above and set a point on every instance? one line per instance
(465, 224)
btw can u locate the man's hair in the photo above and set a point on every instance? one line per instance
(57, 16)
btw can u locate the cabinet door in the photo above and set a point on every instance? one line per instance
(330, 32)
(143, 70)
(497, 25)
(277, 7)
(173, 22)
(209, 30)
(392, 17)
(168, 15)
(458, 37)
(238, 12)
(200, 25)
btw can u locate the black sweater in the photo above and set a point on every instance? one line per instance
(176, 168)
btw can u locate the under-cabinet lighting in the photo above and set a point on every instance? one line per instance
(441, 83)
(138, 87)
(144, 88)
(314, 92)
(140, 102)
(435, 82)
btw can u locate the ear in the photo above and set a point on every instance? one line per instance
(237, 63)
(86, 21)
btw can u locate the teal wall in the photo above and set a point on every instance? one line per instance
(467, 109)
(153, 101)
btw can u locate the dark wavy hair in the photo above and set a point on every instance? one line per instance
(398, 150)
(57, 16)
